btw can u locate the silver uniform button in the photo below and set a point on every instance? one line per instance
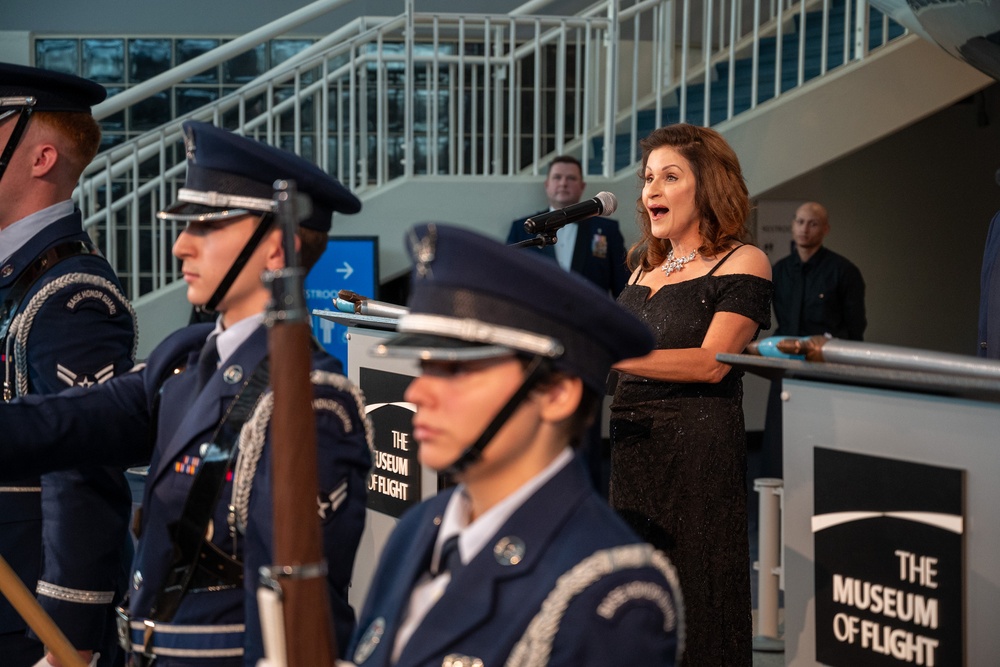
(233, 374)
(6, 271)
(509, 550)
(136, 580)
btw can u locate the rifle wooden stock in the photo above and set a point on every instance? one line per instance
(41, 623)
(298, 541)
(297, 537)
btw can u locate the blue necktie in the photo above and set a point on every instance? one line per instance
(208, 361)
(450, 559)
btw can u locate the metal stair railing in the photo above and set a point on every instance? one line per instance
(452, 94)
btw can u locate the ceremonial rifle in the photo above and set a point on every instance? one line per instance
(41, 623)
(300, 570)
(859, 353)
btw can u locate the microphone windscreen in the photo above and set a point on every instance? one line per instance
(608, 202)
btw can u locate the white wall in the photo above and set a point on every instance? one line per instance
(15, 47)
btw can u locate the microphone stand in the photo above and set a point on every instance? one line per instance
(540, 240)
(543, 238)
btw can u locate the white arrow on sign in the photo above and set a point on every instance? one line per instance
(347, 270)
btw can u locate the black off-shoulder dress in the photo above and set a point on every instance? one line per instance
(678, 463)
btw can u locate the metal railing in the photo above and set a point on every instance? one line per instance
(453, 94)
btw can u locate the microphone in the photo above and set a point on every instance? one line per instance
(603, 204)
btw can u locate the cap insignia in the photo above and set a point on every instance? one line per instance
(423, 250)
(189, 147)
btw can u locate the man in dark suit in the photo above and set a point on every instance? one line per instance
(522, 563)
(594, 247)
(200, 399)
(64, 322)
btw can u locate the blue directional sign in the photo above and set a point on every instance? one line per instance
(351, 263)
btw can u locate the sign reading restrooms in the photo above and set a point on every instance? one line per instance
(888, 538)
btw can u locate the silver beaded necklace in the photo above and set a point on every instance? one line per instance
(677, 263)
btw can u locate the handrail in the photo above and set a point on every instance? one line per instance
(451, 93)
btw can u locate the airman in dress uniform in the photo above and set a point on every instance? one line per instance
(64, 322)
(522, 563)
(206, 525)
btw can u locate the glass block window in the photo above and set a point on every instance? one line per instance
(283, 49)
(245, 67)
(119, 63)
(148, 57)
(59, 55)
(103, 60)
(188, 49)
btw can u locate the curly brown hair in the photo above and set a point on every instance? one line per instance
(721, 194)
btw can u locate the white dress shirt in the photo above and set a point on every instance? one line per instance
(472, 538)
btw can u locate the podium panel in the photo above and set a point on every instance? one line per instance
(397, 480)
(891, 544)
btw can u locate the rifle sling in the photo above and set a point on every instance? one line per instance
(36, 270)
(197, 562)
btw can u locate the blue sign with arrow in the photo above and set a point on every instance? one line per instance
(351, 263)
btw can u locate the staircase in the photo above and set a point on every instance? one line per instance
(738, 84)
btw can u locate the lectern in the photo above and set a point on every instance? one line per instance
(891, 493)
(396, 481)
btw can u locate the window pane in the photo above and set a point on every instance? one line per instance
(104, 60)
(189, 99)
(287, 142)
(151, 112)
(110, 140)
(147, 58)
(192, 48)
(114, 121)
(283, 49)
(59, 55)
(244, 67)
(307, 113)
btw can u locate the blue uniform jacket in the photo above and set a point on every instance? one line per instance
(599, 253)
(490, 602)
(117, 417)
(67, 533)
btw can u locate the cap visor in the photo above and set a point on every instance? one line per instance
(438, 348)
(199, 212)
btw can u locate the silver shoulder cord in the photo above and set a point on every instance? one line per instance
(20, 328)
(535, 646)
